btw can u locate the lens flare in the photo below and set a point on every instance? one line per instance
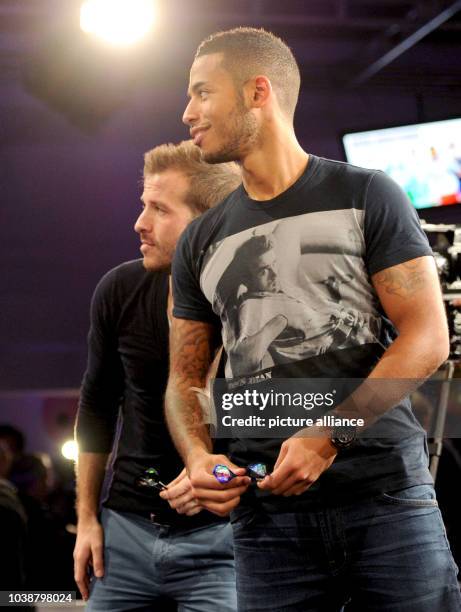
(119, 22)
(69, 450)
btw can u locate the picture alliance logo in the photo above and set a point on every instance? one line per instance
(261, 401)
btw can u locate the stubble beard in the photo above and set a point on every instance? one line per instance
(161, 262)
(241, 136)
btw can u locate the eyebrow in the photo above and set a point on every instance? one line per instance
(195, 87)
(154, 201)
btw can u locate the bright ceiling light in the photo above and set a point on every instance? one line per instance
(69, 450)
(119, 22)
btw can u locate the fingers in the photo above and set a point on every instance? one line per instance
(177, 490)
(88, 552)
(223, 496)
(223, 500)
(293, 482)
(296, 482)
(98, 560)
(181, 476)
(178, 500)
(211, 494)
(291, 472)
(81, 576)
(297, 489)
(221, 509)
(282, 454)
(204, 480)
(300, 463)
(190, 508)
(282, 470)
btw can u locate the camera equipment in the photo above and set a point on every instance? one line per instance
(445, 241)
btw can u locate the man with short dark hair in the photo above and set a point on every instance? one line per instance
(341, 517)
(143, 552)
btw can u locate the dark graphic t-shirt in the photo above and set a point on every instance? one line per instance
(289, 282)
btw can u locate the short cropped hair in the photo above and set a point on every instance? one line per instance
(251, 51)
(209, 184)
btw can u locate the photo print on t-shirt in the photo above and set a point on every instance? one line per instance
(291, 289)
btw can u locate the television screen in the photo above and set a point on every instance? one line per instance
(424, 159)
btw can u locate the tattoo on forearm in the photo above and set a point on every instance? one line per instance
(403, 280)
(191, 348)
(190, 352)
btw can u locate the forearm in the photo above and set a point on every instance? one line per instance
(185, 420)
(90, 472)
(411, 298)
(413, 355)
(192, 347)
(404, 366)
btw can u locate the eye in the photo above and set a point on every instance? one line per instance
(203, 94)
(159, 210)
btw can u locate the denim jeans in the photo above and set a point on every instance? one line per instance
(146, 563)
(386, 554)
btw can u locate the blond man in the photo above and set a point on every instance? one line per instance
(143, 549)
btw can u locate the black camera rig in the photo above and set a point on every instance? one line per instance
(445, 241)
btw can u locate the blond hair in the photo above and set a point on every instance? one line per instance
(209, 184)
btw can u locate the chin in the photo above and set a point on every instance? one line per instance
(156, 266)
(218, 157)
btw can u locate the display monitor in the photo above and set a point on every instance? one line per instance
(424, 159)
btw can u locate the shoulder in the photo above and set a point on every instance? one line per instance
(348, 173)
(122, 273)
(128, 277)
(203, 227)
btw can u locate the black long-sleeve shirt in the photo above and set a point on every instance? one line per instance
(128, 369)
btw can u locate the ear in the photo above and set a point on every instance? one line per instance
(260, 91)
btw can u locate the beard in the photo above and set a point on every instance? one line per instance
(239, 136)
(160, 261)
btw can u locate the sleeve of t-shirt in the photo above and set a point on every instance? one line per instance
(188, 297)
(102, 387)
(393, 232)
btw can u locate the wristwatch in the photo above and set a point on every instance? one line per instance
(343, 437)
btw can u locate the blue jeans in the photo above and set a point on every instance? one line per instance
(146, 562)
(386, 554)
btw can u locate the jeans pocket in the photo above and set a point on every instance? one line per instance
(416, 496)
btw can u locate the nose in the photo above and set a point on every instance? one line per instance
(190, 115)
(142, 224)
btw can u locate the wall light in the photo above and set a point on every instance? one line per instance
(119, 22)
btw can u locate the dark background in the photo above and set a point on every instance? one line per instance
(77, 116)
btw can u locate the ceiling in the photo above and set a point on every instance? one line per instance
(399, 44)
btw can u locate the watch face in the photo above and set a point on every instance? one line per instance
(344, 438)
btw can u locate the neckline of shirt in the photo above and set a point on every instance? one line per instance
(248, 202)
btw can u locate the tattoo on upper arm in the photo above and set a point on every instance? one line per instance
(403, 280)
